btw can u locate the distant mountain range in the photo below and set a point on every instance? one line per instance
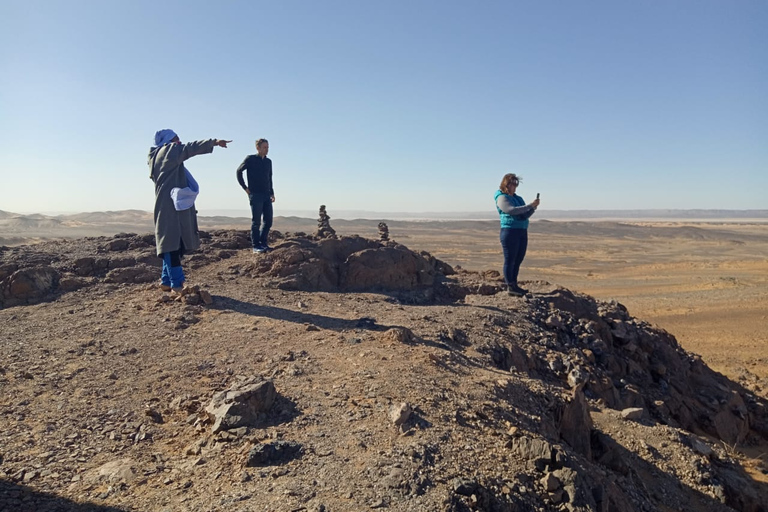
(129, 216)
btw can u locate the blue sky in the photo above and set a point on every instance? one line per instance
(389, 106)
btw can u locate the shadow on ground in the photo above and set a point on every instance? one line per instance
(323, 322)
(20, 498)
(734, 487)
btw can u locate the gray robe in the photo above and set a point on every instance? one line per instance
(172, 227)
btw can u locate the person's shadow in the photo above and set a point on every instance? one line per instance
(221, 302)
(21, 498)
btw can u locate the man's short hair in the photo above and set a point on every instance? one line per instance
(260, 142)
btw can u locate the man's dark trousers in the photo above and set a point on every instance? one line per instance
(261, 213)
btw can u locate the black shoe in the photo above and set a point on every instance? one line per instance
(517, 291)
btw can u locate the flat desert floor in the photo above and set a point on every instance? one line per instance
(706, 283)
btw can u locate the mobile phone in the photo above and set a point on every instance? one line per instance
(537, 195)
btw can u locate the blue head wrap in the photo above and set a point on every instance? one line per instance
(163, 137)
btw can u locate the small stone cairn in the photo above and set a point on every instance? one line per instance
(383, 232)
(324, 229)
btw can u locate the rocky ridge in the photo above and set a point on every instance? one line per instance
(347, 374)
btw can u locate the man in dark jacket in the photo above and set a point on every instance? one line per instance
(260, 193)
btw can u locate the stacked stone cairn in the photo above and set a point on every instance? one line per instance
(383, 232)
(324, 229)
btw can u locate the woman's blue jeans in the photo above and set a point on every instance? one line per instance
(514, 242)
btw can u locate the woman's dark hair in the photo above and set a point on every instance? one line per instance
(260, 142)
(511, 177)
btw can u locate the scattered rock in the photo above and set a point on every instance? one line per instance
(399, 335)
(241, 405)
(399, 414)
(118, 245)
(550, 482)
(274, 452)
(465, 487)
(632, 413)
(538, 452)
(154, 415)
(138, 274)
(577, 378)
(121, 470)
(701, 447)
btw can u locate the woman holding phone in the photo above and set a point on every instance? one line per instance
(514, 215)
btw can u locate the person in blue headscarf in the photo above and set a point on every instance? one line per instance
(514, 215)
(175, 192)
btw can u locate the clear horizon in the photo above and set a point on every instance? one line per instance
(406, 107)
(480, 215)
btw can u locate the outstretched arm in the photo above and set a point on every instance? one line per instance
(197, 147)
(201, 147)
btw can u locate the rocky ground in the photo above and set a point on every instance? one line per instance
(347, 374)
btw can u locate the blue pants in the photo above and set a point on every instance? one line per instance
(261, 214)
(173, 274)
(514, 242)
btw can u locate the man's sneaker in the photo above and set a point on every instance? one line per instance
(259, 249)
(165, 287)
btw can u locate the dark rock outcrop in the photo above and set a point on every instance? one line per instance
(349, 263)
(28, 286)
